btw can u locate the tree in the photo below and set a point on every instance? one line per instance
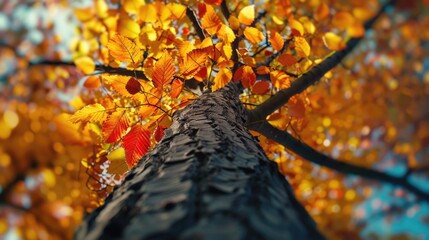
(150, 60)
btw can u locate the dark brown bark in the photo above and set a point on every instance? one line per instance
(207, 179)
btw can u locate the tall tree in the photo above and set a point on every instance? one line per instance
(173, 77)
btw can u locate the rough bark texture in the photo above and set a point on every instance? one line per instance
(207, 179)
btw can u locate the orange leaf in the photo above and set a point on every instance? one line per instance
(342, 20)
(260, 87)
(136, 144)
(287, 59)
(163, 71)
(115, 126)
(194, 61)
(302, 47)
(247, 15)
(253, 35)
(211, 21)
(123, 49)
(176, 88)
(146, 110)
(321, 12)
(128, 27)
(248, 77)
(133, 86)
(92, 82)
(276, 41)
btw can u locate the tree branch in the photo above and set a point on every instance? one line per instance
(191, 15)
(310, 77)
(310, 154)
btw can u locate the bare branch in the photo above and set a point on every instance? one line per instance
(310, 77)
(310, 154)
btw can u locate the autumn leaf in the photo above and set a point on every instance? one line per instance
(136, 143)
(194, 61)
(333, 41)
(226, 34)
(133, 86)
(287, 59)
(211, 21)
(246, 75)
(302, 47)
(123, 49)
(128, 27)
(92, 82)
(260, 87)
(247, 15)
(176, 88)
(222, 78)
(159, 133)
(115, 126)
(296, 107)
(178, 11)
(276, 41)
(296, 27)
(85, 64)
(91, 113)
(163, 71)
(321, 12)
(253, 35)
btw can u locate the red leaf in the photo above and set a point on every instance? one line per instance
(136, 144)
(176, 88)
(159, 133)
(115, 126)
(133, 86)
(296, 107)
(260, 87)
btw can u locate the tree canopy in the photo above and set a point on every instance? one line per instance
(335, 91)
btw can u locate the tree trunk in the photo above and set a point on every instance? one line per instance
(207, 179)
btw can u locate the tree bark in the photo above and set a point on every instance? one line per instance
(207, 179)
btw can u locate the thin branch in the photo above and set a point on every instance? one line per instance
(312, 76)
(191, 15)
(312, 155)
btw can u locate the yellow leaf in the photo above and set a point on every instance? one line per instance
(178, 11)
(148, 13)
(85, 64)
(356, 30)
(276, 41)
(102, 8)
(123, 49)
(253, 35)
(222, 78)
(91, 113)
(117, 155)
(132, 6)
(333, 41)
(297, 28)
(128, 28)
(247, 15)
(163, 71)
(211, 21)
(308, 25)
(226, 34)
(302, 47)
